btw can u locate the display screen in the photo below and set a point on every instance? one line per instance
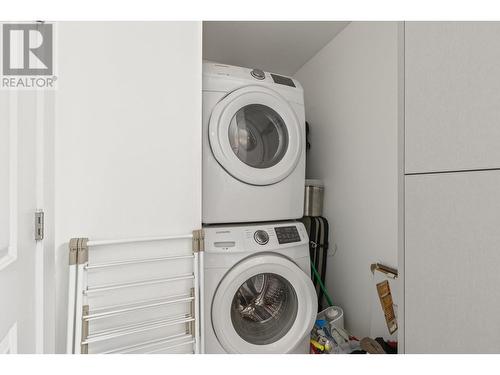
(287, 234)
(283, 80)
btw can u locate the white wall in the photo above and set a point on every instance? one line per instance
(351, 94)
(274, 46)
(128, 135)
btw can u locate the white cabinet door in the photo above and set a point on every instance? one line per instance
(18, 310)
(452, 84)
(452, 263)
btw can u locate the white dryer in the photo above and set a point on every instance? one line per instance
(258, 297)
(253, 145)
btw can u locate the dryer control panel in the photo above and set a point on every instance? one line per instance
(234, 76)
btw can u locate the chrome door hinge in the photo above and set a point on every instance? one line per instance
(39, 225)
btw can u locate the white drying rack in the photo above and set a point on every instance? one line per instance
(82, 314)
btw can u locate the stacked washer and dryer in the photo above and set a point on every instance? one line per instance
(259, 297)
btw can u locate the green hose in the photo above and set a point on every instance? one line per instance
(321, 285)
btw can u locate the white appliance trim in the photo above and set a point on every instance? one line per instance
(241, 272)
(220, 120)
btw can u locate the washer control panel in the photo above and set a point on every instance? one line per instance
(287, 234)
(240, 238)
(261, 237)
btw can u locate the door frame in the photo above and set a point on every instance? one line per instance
(45, 200)
(401, 184)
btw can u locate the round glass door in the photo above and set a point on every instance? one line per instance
(264, 308)
(258, 136)
(264, 304)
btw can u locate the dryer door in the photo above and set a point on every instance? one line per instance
(264, 304)
(255, 135)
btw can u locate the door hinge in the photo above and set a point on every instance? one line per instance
(39, 225)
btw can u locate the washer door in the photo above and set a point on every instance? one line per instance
(255, 135)
(265, 304)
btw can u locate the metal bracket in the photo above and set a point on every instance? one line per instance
(198, 240)
(388, 271)
(78, 251)
(39, 225)
(83, 251)
(202, 240)
(73, 250)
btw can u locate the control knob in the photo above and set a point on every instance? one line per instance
(261, 237)
(258, 73)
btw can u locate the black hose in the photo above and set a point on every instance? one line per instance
(324, 249)
(312, 250)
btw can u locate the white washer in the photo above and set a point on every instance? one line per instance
(253, 145)
(259, 297)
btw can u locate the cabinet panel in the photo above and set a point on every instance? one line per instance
(452, 84)
(128, 135)
(452, 262)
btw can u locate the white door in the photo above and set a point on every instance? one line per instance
(452, 93)
(452, 257)
(20, 317)
(255, 135)
(265, 304)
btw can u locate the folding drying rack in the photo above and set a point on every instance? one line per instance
(133, 327)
